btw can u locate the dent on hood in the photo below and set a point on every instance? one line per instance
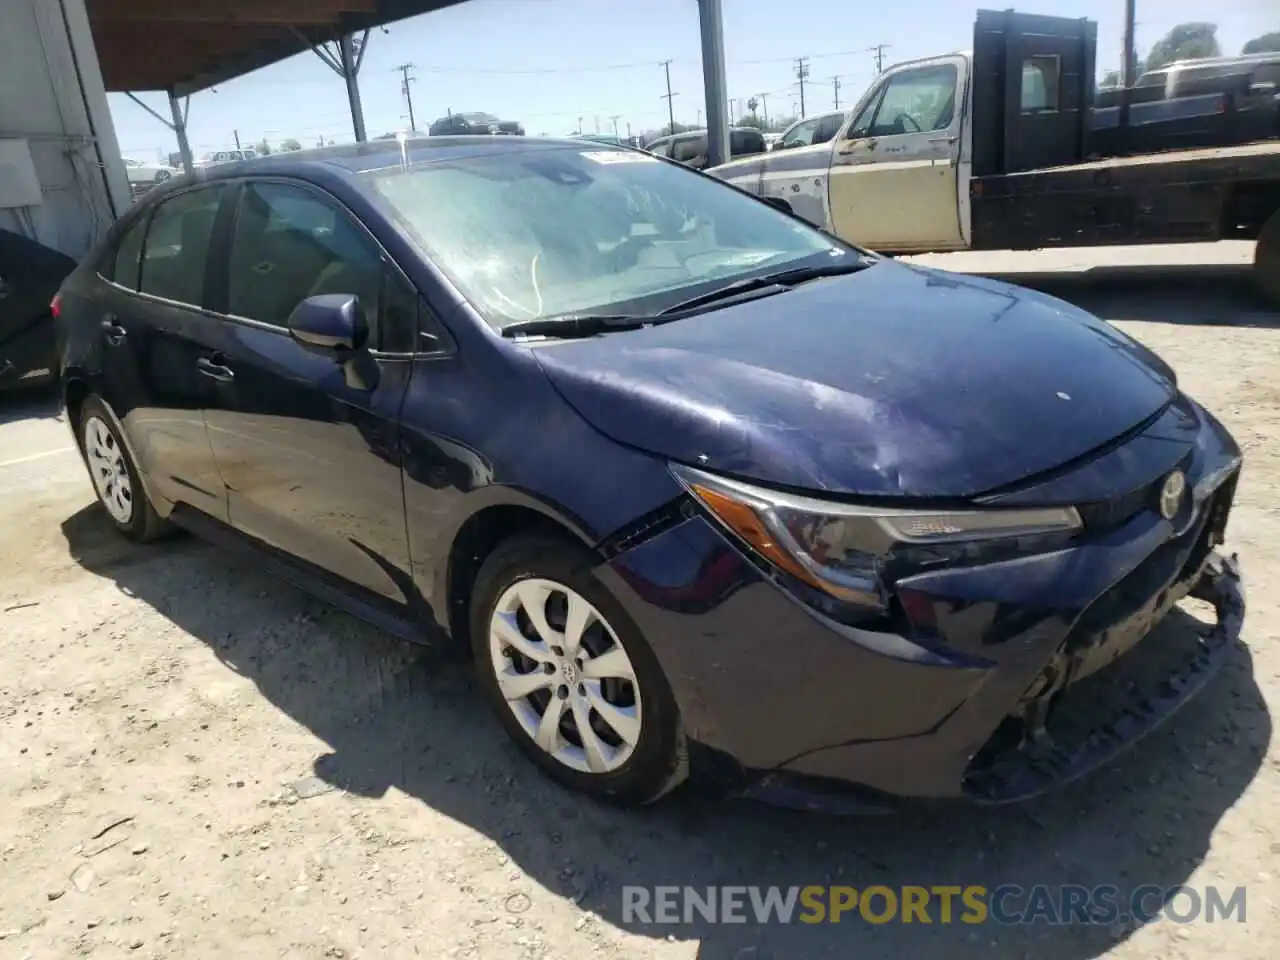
(684, 406)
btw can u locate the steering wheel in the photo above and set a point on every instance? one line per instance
(902, 119)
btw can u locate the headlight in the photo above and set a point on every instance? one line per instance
(842, 548)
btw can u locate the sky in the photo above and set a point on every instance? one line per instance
(553, 64)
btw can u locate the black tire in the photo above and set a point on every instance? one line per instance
(162, 176)
(1266, 260)
(659, 762)
(144, 523)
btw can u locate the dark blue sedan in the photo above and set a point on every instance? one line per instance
(707, 492)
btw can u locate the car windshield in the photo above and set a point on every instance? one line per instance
(543, 233)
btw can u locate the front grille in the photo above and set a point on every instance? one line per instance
(1108, 514)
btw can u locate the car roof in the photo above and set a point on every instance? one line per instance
(359, 158)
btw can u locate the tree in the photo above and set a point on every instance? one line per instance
(1110, 79)
(290, 145)
(751, 121)
(1267, 43)
(264, 148)
(1186, 41)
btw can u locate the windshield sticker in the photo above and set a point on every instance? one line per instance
(619, 156)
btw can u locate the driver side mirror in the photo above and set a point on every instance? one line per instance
(331, 324)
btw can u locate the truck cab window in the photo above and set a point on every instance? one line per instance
(801, 135)
(919, 100)
(1040, 84)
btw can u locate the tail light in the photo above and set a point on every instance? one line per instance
(55, 306)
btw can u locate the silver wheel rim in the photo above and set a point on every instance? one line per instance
(108, 470)
(564, 676)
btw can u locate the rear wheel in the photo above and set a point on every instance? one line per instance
(114, 474)
(1266, 260)
(570, 676)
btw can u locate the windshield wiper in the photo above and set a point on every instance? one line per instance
(575, 325)
(780, 278)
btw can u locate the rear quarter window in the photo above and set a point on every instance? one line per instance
(124, 266)
(177, 245)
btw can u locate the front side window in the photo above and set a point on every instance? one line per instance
(289, 244)
(919, 100)
(541, 233)
(177, 245)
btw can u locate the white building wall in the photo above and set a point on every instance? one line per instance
(52, 97)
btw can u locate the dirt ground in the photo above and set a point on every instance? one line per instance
(199, 761)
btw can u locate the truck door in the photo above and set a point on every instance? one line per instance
(894, 169)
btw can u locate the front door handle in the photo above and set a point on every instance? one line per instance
(112, 330)
(946, 140)
(215, 371)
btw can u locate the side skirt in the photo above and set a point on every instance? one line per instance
(387, 615)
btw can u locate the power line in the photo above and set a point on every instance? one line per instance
(404, 69)
(802, 71)
(671, 109)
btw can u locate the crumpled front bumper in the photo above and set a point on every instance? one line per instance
(1035, 767)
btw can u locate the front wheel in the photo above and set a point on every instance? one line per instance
(115, 476)
(570, 676)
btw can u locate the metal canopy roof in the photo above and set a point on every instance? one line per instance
(185, 46)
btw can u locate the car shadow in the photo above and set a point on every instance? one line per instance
(1209, 295)
(394, 715)
(29, 403)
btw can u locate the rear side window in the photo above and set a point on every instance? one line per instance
(290, 244)
(687, 150)
(743, 143)
(177, 245)
(128, 258)
(829, 127)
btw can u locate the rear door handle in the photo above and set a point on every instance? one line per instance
(215, 371)
(112, 330)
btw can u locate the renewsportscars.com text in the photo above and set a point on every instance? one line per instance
(939, 904)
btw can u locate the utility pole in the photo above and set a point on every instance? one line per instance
(236, 133)
(629, 137)
(802, 72)
(615, 118)
(879, 50)
(1127, 79)
(671, 110)
(404, 69)
(835, 88)
(764, 109)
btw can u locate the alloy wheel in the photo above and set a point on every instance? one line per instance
(108, 470)
(565, 676)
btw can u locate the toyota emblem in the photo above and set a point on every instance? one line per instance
(1175, 484)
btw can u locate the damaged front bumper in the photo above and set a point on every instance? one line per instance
(1055, 753)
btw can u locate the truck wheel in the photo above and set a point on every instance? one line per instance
(1266, 260)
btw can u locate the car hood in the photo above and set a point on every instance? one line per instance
(895, 381)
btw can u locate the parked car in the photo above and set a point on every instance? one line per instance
(226, 156)
(30, 274)
(807, 132)
(705, 491)
(459, 124)
(690, 147)
(139, 172)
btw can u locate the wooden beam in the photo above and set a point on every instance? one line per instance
(282, 12)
